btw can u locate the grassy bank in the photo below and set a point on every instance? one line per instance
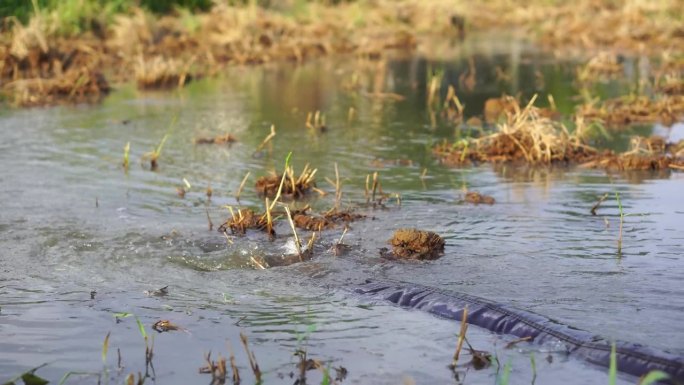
(54, 51)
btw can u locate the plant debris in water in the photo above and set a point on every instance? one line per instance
(529, 138)
(414, 244)
(626, 110)
(525, 137)
(162, 326)
(306, 220)
(218, 139)
(476, 198)
(646, 154)
(242, 221)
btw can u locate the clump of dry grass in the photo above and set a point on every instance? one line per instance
(75, 86)
(161, 72)
(525, 137)
(37, 70)
(626, 110)
(605, 65)
(243, 220)
(293, 187)
(591, 25)
(137, 45)
(652, 153)
(306, 220)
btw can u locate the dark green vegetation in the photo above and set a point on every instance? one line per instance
(82, 13)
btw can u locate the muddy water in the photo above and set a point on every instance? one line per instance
(73, 222)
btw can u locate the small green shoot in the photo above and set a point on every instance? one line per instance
(326, 376)
(29, 377)
(126, 156)
(533, 364)
(66, 376)
(653, 377)
(105, 348)
(124, 314)
(282, 181)
(612, 368)
(505, 376)
(141, 327)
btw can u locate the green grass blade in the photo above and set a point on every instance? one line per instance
(505, 376)
(612, 369)
(653, 377)
(141, 327)
(105, 348)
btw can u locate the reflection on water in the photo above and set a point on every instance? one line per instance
(72, 221)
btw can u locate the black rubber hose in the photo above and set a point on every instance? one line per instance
(632, 358)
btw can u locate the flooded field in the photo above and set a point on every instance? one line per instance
(86, 245)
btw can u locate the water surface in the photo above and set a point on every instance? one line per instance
(72, 222)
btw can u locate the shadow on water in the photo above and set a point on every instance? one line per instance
(74, 222)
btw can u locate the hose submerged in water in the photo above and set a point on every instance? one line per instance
(632, 358)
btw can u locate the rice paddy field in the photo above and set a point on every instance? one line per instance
(188, 195)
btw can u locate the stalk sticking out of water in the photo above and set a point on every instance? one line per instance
(211, 224)
(105, 348)
(153, 155)
(252, 359)
(351, 115)
(242, 185)
(233, 366)
(315, 121)
(375, 186)
(298, 245)
(342, 236)
(596, 206)
(282, 181)
(126, 156)
(338, 188)
(622, 220)
(269, 219)
(461, 337)
(217, 369)
(267, 139)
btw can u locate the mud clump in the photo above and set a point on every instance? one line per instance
(476, 198)
(328, 220)
(311, 222)
(218, 139)
(413, 244)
